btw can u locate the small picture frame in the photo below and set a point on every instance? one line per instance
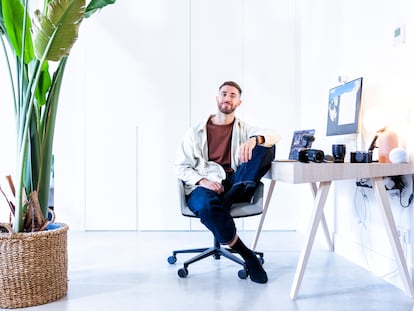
(302, 139)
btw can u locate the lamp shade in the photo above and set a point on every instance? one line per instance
(387, 141)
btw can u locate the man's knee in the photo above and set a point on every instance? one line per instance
(264, 152)
(203, 202)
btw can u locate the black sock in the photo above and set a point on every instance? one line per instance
(255, 269)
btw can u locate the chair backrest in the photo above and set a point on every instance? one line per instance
(245, 209)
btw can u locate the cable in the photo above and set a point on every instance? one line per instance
(410, 199)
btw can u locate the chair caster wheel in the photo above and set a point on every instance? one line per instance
(182, 273)
(243, 274)
(172, 260)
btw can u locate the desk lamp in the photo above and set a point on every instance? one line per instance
(386, 139)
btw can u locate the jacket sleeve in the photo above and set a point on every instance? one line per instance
(185, 162)
(271, 137)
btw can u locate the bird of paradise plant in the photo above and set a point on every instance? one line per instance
(38, 47)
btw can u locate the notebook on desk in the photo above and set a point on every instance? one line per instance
(301, 139)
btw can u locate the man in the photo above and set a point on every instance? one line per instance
(220, 162)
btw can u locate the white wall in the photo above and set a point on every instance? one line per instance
(7, 140)
(134, 76)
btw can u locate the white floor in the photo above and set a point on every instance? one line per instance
(129, 271)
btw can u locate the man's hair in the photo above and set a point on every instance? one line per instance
(233, 84)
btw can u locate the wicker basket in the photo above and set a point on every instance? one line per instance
(33, 267)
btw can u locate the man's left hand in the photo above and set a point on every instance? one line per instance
(246, 149)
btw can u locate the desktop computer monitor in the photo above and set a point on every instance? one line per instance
(344, 108)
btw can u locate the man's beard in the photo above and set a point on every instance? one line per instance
(226, 110)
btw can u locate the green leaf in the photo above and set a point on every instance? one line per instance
(59, 29)
(13, 15)
(43, 84)
(48, 129)
(96, 5)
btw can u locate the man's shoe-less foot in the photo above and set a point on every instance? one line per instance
(256, 272)
(240, 193)
(254, 267)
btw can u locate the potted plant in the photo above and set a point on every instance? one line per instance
(36, 48)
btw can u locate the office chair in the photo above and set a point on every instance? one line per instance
(238, 210)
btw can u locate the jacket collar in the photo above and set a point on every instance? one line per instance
(202, 126)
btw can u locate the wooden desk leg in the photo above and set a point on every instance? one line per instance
(263, 216)
(324, 224)
(319, 204)
(382, 198)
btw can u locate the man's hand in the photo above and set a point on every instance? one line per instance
(212, 185)
(245, 150)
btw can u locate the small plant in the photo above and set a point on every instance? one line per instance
(36, 50)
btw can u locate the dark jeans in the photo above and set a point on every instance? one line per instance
(213, 208)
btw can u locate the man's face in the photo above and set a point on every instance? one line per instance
(228, 99)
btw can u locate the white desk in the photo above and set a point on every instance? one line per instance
(320, 177)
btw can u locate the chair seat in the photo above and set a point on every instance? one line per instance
(245, 209)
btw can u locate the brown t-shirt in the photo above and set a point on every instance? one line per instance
(219, 144)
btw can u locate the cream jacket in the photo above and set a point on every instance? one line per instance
(192, 164)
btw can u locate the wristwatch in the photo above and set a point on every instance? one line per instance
(259, 139)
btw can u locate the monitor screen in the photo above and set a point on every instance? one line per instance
(343, 108)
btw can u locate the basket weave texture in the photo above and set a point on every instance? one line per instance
(33, 267)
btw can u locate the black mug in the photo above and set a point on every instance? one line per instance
(338, 152)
